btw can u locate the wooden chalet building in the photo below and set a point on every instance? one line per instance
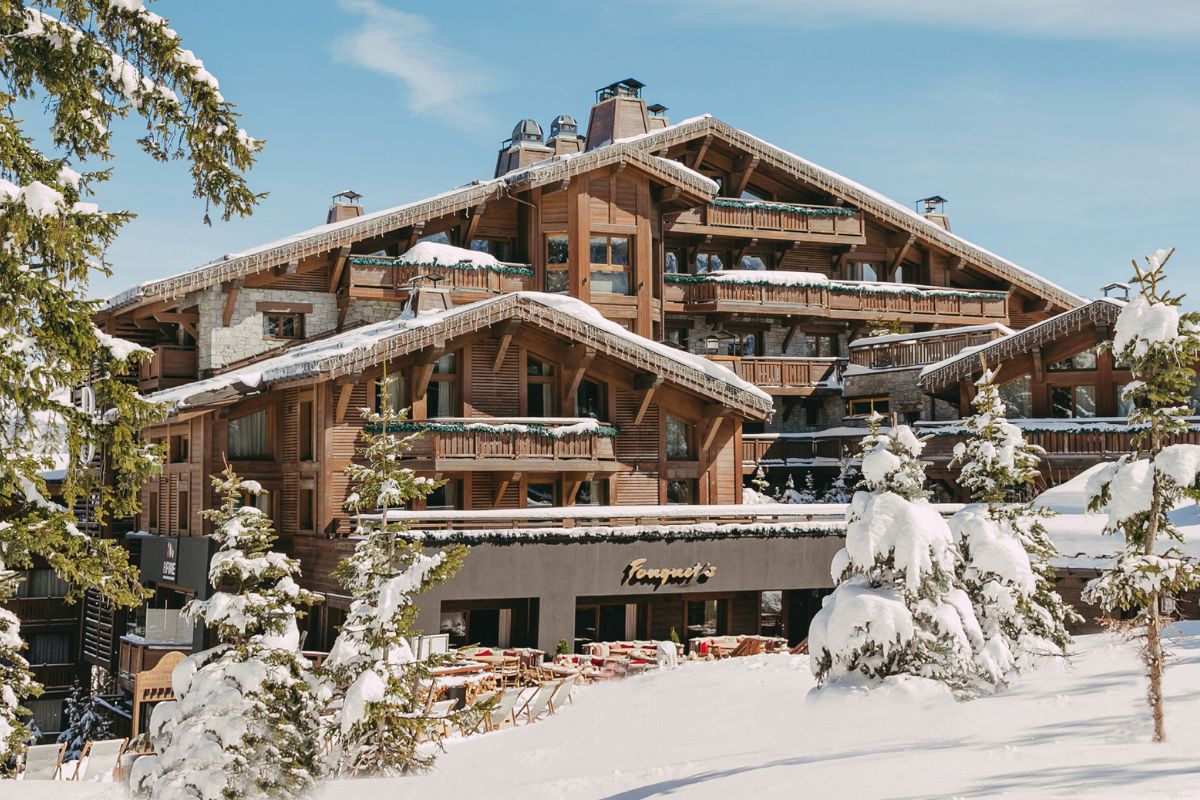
(609, 334)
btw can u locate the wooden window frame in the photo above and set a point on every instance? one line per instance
(306, 430)
(540, 380)
(626, 269)
(873, 401)
(452, 378)
(184, 506)
(692, 454)
(555, 267)
(270, 436)
(273, 325)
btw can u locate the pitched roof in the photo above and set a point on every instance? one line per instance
(350, 352)
(971, 359)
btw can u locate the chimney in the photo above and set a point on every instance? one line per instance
(564, 135)
(658, 116)
(619, 112)
(426, 297)
(344, 206)
(934, 209)
(523, 148)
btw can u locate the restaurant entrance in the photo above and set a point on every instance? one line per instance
(492, 623)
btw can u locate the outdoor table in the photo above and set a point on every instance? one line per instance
(497, 661)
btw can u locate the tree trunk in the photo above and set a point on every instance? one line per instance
(1154, 667)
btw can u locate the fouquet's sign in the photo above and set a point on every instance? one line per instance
(637, 572)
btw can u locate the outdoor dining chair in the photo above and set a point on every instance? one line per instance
(562, 693)
(538, 704)
(503, 713)
(99, 759)
(466, 728)
(43, 762)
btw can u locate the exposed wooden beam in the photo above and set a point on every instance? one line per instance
(231, 289)
(713, 426)
(955, 264)
(791, 334)
(343, 402)
(423, 371)
(472, 225)
(506, 331)
(701, 152)
(503, 479)
(576, 363)
(741, 251)
(839, 263)
(339, 264)
(741, 177)
(418, 230)
(647, 385)
(901, 252)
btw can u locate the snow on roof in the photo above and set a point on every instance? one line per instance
(448, 254)
(311, 358)
(867, 198)
(1015, 341)
(905, 337)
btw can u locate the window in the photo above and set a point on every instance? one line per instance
(1083, 360)
(540, 390)
(1018, 397)
(678, 337)
(822, 345)
(911, 273)
(1125, 406)
(680, 441)
(706, 618)
(590, 400)
(682, 492)
(539, 495)
(863, 271)
(751, 262)
(307, 510)
(480, 245)
(558, 256)
(42, 582)
(152, 524)
(447, 497)
(442, 395)
(864, 406)
(248, 437)
(49, 648)
(610, 264)
(261, 501)
(392, 391)
(283, 326)
(1069, 402)
(307, 429)
(185, 510)
(671, 262)
(770, 613)
(592, 493)
(708, 262)
(178, 449)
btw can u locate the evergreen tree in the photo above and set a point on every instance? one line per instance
(806, 495)
(1006, 552)
(89, 63)
(897, 610)
(842, 487)
(85, 722)
(245, 721)
(381, 728)
(1161, 346)
(760, 482)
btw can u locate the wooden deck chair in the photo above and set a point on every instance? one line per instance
(801, 648)
(538, 704)
(43, 762)
(99, 759)
(482, 699)
(440, 711)
(562, 693)
(504, 711)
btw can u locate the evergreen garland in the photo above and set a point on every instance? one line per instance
(844, 287)
(412, 426)
(766, 205)
(692, 532)
(499, 269)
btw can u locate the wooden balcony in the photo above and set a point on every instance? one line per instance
(837, 300)
(387, 279)
(784, 375)
(55, 676)
(34, 611)
(770, 220)
(473, 444)
(921, 349)
(799, 449)
(169, 366)
(138, 655)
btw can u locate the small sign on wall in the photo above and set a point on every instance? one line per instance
(636, 573)
(170, 559)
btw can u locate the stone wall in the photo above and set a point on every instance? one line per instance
(220, 345)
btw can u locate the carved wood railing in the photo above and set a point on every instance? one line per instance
(382, 273)
(917, 352)
(502, 439)
(170, 365)
(833, 221)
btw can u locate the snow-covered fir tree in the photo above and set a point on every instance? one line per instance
(85, 722)
(379, 689)
(760, 482)
(87, 64)
(245, 719)
(16, 683)
(897, 610)
(1006, 552)
(1161, 344)
(841, 489)
(806, 495)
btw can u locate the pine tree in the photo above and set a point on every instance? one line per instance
(1161, 346)
(897, 610)
(85, 722)
(842, 487)
(381, 728)
(760, 482)
(245, 719)
(806, 495)
(89, 63)
(1006, 552)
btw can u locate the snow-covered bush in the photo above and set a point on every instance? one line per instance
(85, 722)
(897, 609)
(377, 689)
(842, 487)
(245, 719)
(806, 495)
(1161, 346)
(1006, 553)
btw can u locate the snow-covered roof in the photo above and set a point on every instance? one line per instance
(867, 199)
(970, 360)
(349, 352)
(868, 341)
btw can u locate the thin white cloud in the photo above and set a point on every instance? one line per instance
(438, 81)
(1161, 20)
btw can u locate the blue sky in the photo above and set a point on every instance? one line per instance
(1066, 135)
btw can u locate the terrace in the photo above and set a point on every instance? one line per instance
(770, 220)
(380, 278)
(785, 375)
(524, 444)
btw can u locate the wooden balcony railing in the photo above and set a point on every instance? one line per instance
(844, 299)
(1082, 439)
(55, 676)
(138, 655)
(783, 374)
(170, 365)
(773, 220)
(465, 441)
(781, 448)
(917, 352)
(43, 610)
(371, 276)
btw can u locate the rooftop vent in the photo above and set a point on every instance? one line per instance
(1118, 290)
(563, 125)
(630, 87)
(344, 205)
(657, 109)
(527, 130)
(933, 208)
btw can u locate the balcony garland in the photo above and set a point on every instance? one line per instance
(533, 429)
(766, 205)
(627, 533)
(499, 269)
(846, 288)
